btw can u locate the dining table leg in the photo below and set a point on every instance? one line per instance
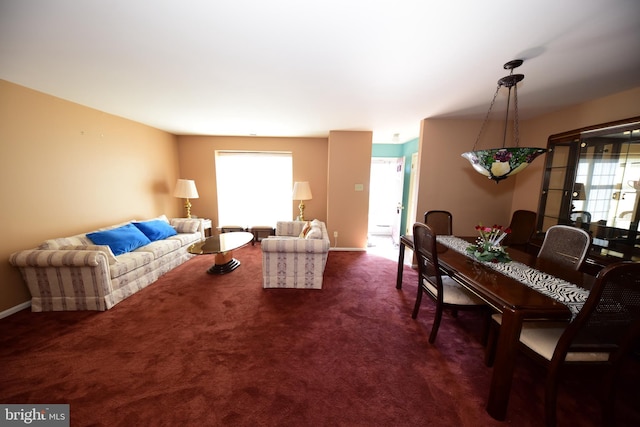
(400, 266)
(504, 364)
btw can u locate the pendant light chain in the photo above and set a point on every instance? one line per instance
(486, 118)
(516, 130)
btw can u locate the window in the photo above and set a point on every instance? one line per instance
(254, 188)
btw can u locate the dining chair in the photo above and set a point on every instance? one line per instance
(522, 225)
(602, 335)
(566, 246)
(441, 222)
(581, 219)
(446, 292)
(563, 245)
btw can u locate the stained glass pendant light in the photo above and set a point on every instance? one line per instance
(500, 163)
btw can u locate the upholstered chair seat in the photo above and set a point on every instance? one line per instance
(453, 293)
(542, 338)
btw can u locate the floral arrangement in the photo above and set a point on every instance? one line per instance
(487, 246)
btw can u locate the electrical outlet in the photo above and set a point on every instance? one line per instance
(335, 234)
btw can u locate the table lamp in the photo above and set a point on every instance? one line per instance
(301, 191)
(186, 189)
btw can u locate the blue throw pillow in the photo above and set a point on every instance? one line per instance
(120, 240)
(156, 229)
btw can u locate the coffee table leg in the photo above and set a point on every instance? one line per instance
(224, 263)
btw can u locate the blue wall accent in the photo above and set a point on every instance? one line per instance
(399, 150)
(387, 150)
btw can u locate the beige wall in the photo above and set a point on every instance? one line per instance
(332, 166)
(448, 182)
(536, 132)
(348, 209)
(67, 169)
(197, 162)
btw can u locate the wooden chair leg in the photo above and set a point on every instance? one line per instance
(551, 395)
(436, 324)
(608, 406)
(416, 307)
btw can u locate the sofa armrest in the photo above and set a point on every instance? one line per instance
(58, 258)
(296, 244)
(66, 279)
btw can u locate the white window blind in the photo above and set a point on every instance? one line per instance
(254, 188)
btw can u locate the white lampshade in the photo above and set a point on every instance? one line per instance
(301, 191)
(186, 189)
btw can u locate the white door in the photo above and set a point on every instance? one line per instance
(411, 200)
(385, 198)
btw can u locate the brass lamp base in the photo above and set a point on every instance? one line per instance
(301, 208)
(187, 206)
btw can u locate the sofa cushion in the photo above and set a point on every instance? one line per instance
(156, 229)
(186, 225)
(160, 247)
(289, 228)
(130, 261)
(305, 230)
(120, 240)
(314, 233)
(186, 238)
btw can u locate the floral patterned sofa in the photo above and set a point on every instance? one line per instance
(78, 273)
(296, 256)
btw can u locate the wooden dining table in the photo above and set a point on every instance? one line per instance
(516, 301)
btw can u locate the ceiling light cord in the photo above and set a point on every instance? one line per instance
(486, 118)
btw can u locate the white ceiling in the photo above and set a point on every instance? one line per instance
(303, 67)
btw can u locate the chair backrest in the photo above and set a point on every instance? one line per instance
(424, 239)
(581, 219)
(566, 246)
(523, 225)
(610, 318)
(441, 222)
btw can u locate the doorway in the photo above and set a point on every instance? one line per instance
(412, 196)
(385, 202)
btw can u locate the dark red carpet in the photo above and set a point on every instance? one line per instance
(199, 350)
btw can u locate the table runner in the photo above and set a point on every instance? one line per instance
(571, 295)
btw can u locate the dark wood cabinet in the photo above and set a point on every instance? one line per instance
(592, 181)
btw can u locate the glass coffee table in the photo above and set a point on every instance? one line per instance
(222, 246)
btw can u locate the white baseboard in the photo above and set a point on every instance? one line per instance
(15, 309)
